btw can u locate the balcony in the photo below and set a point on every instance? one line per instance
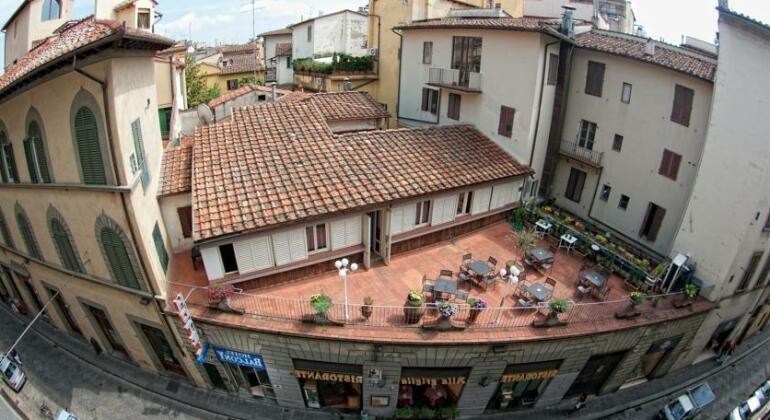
(574, 150)
(459, 80)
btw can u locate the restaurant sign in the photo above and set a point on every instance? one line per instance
(427, 380)
(238, 358)
(328, 376)
(529, 376)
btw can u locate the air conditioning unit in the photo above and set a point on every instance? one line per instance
(373, 52)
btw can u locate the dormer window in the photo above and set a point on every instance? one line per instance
(51, 10)
(143, 19)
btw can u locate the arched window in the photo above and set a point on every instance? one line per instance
(118, 252)
(51, 10)
(64, 242)
(7, 161)
(89, 149)
(34, 150)
(7, 239)
(27, 234)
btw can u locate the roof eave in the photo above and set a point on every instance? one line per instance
(21, 7)
(705, 79)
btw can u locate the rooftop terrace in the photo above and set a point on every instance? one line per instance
(282, 308)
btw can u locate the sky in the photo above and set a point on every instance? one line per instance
(230, 21)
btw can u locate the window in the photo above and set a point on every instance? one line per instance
(464, 202)
(108, 331)
(117, 258)
(553, 69)
(533, 188)
(164, 116)
(430, 100)
(454, 106)
(288, 62)
(764, 275)
(577, 180)
(232, 84)
(64, 245)
(160, 247)
(7, 162)
(185, 220)
(34, 151)
(64, 310)
(605, 195)
(422, 213)
(466, 57)
(51, 10)
(669, 164)
(89, 149)
(595, 78)
(751, 268)
(141, 164)
(505, 125)
(767, 222)
(427, 52)
(625, 95)
(623, 203)
(7, 239)
(143, 19)
(229, 263)
(652, 222)
(316, 237)
(617, 143)
(309, 33)
(27, 234)
(682, 107)
(587, 134)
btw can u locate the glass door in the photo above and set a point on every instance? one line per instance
(594, 374)
(66, 315)
(107, 330)
(162, 349)
(376, 231)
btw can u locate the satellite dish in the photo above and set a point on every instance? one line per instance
(205, 116)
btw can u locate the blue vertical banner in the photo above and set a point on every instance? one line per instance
(202, 356)
(239, 358)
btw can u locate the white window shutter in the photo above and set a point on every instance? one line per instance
(410, 210)
(281, 248)
(352, 231)
(437, 217)
(396, 220)
(450, 208)
(481, 200)
(244, 255)
(212, 262)
(261, 253)
(297, 246)
(338, 234)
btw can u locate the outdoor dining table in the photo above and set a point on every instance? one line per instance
(543, 227)
(592, 278)
(538, 291)
(480, 267)
(567, 241)
(541, 256)
(445, 285)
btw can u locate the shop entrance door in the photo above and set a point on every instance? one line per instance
(64, 311)
(107, 330)
(255, 381)
(162, 349)
(375, 233)
(594, 374)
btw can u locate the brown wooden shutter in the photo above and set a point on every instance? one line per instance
(682, 107)
(673, 170)
(657, 221)
(595, 79)
(425, 92)
(185, 219)
(664, 163)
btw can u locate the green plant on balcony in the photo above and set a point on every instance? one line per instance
(518, 218)
(601, 240)
(366, 309)
(555, 307)
(321, 303)
(425, 412)
(448, 413)
(526, 240)
(414, 307)
(405, 413)
(689, 294)
(635, 298)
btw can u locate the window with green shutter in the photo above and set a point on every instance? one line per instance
(28, 235)
(141, 163)
(34, 150)
(164, 116)
(89, 148)
(160, 247)
(7, 239)
(63, 241)
(118, 259)
(7, 161)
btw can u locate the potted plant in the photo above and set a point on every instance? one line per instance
(448, 413)
(366, 309)
(414, 307)
(425, 412)
(405, 413)
(555, 307)
(635, 298)
(526, 240)
(219, 298)
(519, 216)
(321, 304)
(477, 305)
(689, 294)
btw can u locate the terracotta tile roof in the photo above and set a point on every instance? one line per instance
(284, 31)
(243, 90)
(79, 36)
(240, 48)
(691, 63)
(278, 163)
(515, 24)
(176, 169)
(239, 64)
(353, 105)
(283, 49)
(294, 96)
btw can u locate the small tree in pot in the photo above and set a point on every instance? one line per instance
(414, 307)
(477, 305)
(321, 304)
(366, 309)
(219, 298)
(689, 294)
(635, 298)
(555, 307)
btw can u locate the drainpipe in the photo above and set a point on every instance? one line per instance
(398, 97)
(112, 147)
(272, 92)
(379, 42)
(540, 100)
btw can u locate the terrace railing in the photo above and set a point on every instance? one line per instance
(575, 150)
(301, 310)
(454, 78)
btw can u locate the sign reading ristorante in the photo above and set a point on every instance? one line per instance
(328, 376)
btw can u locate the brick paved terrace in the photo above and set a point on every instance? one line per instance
(284, 307)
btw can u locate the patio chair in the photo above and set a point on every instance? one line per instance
(424, 279)
(447, 273)
(583, 291)
(467, 258)
(551, 282)
(601, 294)
(427, 288)
(461, 295)
(492, 261)
(524, 303)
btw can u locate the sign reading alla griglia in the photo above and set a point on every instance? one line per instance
(238, 358)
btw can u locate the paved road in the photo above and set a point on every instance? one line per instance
(6, 411)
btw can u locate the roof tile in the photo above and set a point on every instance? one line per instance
(352, 105)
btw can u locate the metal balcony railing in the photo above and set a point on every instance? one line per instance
(575, 150)
(455, 78)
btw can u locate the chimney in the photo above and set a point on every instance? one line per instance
(723, 4)
(346, 84)
(272, 91)
(567, 23)
(649, 48)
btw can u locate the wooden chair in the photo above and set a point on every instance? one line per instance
(551, 282)
(424, 279)
(467, 258)
(446, 273)
(492, 261)
(461, 295)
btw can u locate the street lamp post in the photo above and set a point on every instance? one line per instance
(512, 278)
(342, 266)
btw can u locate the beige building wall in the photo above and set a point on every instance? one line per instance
(29, 27)
(169, 205)
(646, 126)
